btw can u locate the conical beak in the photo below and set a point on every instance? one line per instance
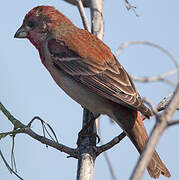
(22, 32)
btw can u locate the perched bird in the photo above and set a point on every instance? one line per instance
(85, 68)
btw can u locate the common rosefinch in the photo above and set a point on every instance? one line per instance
(85, 68)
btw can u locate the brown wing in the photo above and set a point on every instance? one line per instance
(109, 80)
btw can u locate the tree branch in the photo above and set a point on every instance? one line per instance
(154, 78)
(124, 45)
(86, 150)
(173, 122)
(97, 18)
(160, 77)
(161, 124)
(110, 144)
(83, 15)
(21, 128)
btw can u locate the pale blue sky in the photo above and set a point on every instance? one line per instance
(28, 90)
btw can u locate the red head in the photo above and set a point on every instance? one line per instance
(39, 22)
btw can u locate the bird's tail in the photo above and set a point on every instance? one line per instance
(139, 136)
(136, 132)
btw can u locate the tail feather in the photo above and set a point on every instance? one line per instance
(139, 136)
(132, 124)
(156, 167)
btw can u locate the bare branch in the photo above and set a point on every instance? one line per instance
(160, 77)
(173, 122)
(86, 151)
(124, 45)
(13, 161)
(117, 139)
(21, 128)
(97, 18)
(110, 144)
(46, 141)
(169, 82)
(83, 15)
(14, 121)
(44, 128)
(161, 125)
(8, 167)
(130, 7)
(164, 103)
(86, 169)
(4, 134)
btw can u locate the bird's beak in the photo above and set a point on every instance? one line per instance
(22, 32)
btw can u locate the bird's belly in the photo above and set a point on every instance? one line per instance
(80, 93)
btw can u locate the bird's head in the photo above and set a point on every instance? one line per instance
(40, 22)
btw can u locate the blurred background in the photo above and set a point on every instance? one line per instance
(27, 90)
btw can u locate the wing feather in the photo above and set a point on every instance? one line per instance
(108, 80)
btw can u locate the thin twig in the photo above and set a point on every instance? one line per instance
(11, 133)
(124, 45)
(4, 134)
(164, 103)
(21, 128)
(8, 167)
(13, 161)
(83, 15)
(111, 143)
(173, 122)
(44, 127)
(174, 60)
(169, 82)
(159, 77)
(130, 7)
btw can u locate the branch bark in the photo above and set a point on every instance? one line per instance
(97, 18)
(87, 153)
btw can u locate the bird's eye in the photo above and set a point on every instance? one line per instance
(31, 24)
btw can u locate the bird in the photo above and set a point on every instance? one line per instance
(86, 69)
